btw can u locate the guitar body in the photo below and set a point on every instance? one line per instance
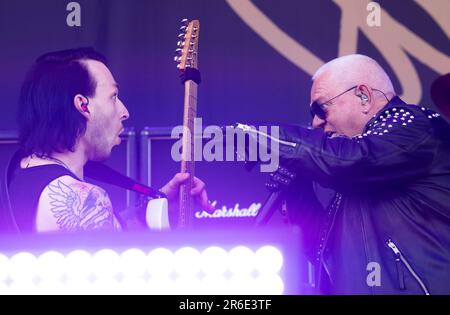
(157, 215)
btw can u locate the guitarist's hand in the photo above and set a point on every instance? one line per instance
(172, 190)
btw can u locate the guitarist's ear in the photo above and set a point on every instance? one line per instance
(81, 103)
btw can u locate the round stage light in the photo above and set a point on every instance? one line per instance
(268, 260)
(23, 267)
(133, 262)
(214, 260)
(51, 266)
(160, 261)
(105, 263)
(269, 284)
(78, 264)
(187, 261)
(241, 260)
(4, 267)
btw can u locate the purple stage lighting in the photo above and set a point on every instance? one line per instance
(211, 262)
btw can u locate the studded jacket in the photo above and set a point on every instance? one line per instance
(387, 229)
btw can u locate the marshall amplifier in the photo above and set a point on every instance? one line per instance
(236, 193)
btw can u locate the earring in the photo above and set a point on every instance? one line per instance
(84, 108)
(364, 99)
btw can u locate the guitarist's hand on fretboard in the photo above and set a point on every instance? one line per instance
(198, 191)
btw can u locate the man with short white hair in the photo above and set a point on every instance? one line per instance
(386, 229)
(336, 83)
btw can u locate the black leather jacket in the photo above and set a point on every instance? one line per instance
(387, 230)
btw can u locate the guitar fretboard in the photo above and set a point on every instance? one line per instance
(187, 161)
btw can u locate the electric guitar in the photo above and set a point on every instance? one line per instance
(187, 63)
(157, 217)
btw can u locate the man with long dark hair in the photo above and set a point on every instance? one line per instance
(70, 113)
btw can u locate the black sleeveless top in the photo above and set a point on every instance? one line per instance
(25, 188)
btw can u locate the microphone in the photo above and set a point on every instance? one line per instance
(271, 205)
(277, 184)
(103, 173)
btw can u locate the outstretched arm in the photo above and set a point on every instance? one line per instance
(398, 145)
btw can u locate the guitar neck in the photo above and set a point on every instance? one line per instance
(187, 160)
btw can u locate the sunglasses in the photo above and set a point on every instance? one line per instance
(320, 109)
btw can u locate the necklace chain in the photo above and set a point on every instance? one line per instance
(50, 158)
(58, 161)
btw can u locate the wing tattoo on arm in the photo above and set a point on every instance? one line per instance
(73, 214)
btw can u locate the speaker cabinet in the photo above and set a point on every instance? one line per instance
(238, 193)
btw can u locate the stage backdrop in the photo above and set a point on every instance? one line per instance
(256, 57)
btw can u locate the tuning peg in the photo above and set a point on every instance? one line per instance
(178, 51)
(184, 22)
(178, 66)
(182, 35)
(180, 43)
(183, 28)
(177, 58)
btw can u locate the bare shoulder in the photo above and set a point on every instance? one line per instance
(67, 204)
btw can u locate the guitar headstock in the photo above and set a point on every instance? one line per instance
(187, 51)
